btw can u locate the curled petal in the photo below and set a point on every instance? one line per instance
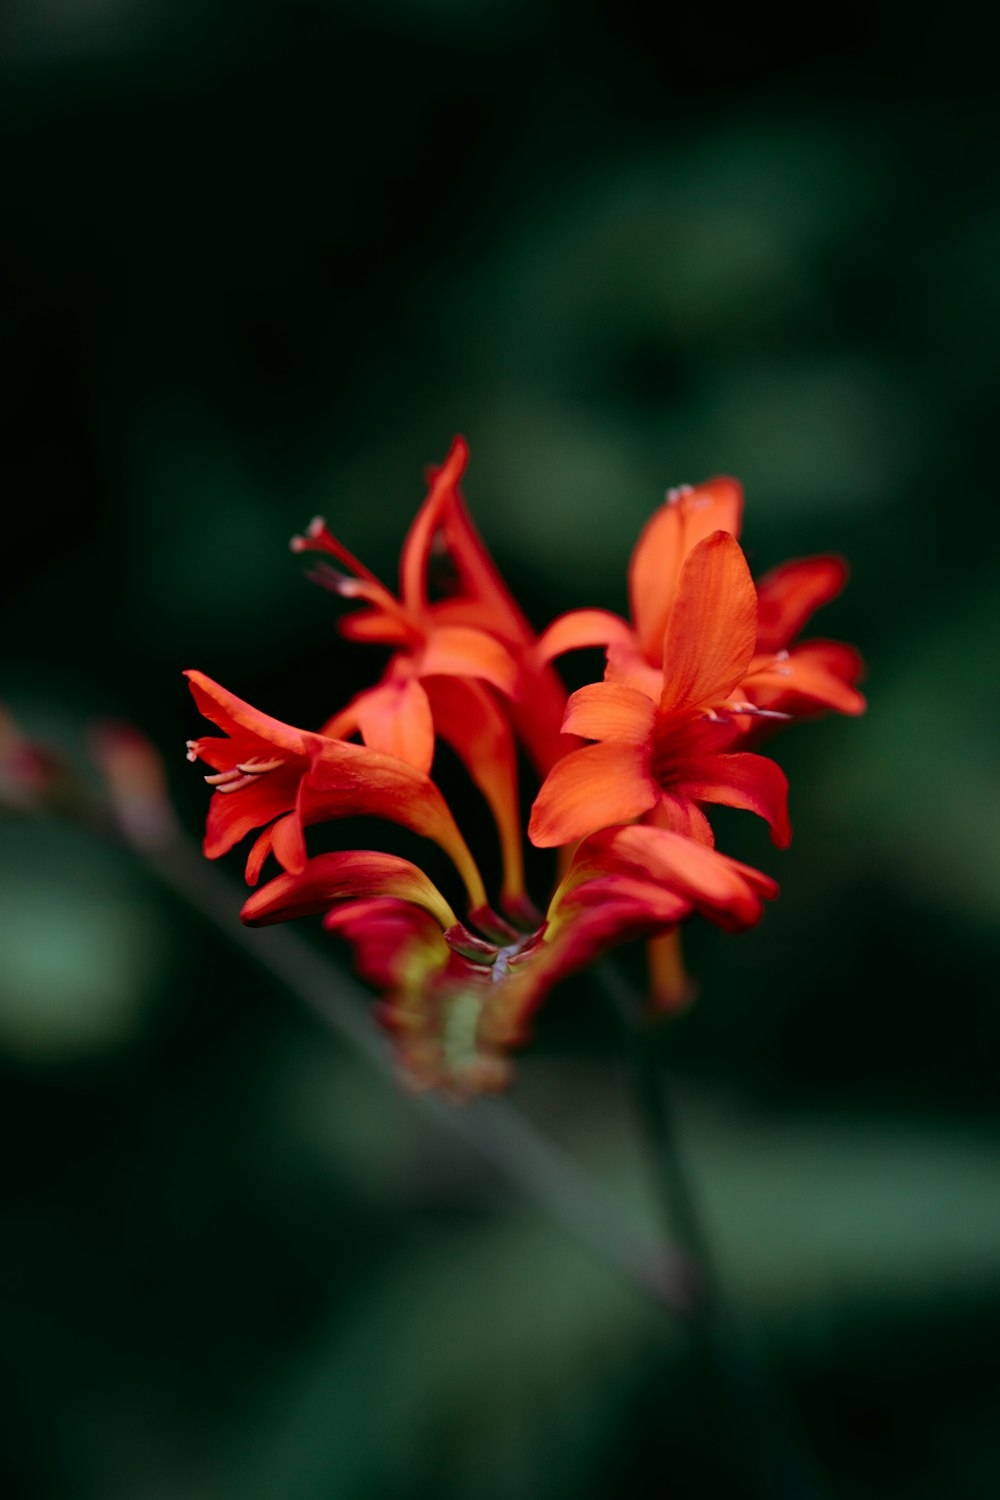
(351, 780)
(789, 595)
(589, 789)
(610, 711)
(822, 672)
(720, 887)
(466, 716)
(460, 651)
(332, 877)
(688, 517)
(239, 719)
(712, 630)
(743, 780)
(579, 629)
(396, 944)
(419, 538)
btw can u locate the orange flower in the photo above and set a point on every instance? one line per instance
(269, 775)
(453, 656)
(665, 752)
(780, 678)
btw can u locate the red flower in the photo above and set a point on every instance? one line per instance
(705, 661)
(453, 655)
(269, 775)
(669, 754)
(780, 678)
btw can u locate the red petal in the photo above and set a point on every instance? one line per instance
(459, 651)
(351, 780)
(468, 719)
(231, 816)
(417, 546)
(332, 877)
(579, 629)
(587, 790)
(712, 629)
(609, 711)
(718, 886)
(743, 780)
(687, 518)
(395, 943)
(234, 715)
(821, 671)
(627, 666)
(395, 719)
(788, 596)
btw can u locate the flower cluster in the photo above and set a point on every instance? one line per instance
(707, 664)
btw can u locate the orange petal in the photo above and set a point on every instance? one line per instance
(231, 817)
(589, 789)
(789, 595)
(395, 719)
(351, 780)
(821, 671)
(609, 711)
(743, 780)
(686, 519)
(427, 522)
(712, 629)
(234, 715)
(460, 651)
(579, 629)
(467, 718)
(332, 877)
(717, 885)
(627, 666)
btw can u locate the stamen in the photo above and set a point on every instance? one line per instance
(192, 750)
(236, 786)
(221, 778)
(257, 767)
(759, 713)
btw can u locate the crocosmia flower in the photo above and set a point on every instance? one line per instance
(707, 662)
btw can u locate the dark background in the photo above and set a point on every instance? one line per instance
(262, 261)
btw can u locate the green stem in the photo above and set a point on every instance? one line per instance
(718, 1338)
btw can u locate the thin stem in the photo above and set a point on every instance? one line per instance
(717, 1333)
(494, 1129)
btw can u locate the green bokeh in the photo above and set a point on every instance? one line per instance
(263, 262)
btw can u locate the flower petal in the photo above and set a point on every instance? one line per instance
(417, 546)
(332, 877)
(579, 629)
(789, 595)
(721, 888)
(712, 629)
(609, 711)
(395, 719)
(742, 780)
(234, 715)
(587, 790)
(822, 672)
(686, 519)
(351, 780)
(232, 816)
(396, 944)
(466, 716)
(460, 651)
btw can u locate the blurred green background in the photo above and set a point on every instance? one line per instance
(262, 261)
